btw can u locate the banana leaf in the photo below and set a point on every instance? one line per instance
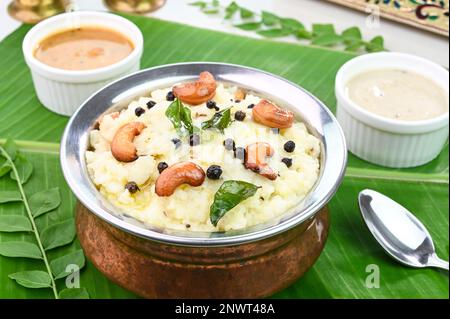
(350, 253)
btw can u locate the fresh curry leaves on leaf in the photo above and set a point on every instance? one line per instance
(270, 25)
(230, 194)
(220, 120)
(53, 236)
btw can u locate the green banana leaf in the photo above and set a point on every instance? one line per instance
(345, 264)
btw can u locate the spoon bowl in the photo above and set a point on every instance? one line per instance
(398, 231)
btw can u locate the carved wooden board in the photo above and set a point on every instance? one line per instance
(430, 15)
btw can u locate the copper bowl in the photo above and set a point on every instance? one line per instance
(164, 263)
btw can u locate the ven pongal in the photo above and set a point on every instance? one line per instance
(203, 156)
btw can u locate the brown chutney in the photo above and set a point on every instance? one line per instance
(84, 48)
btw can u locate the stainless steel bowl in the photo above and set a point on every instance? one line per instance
(319, 120)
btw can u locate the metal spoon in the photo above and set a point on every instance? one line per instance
(401, 234)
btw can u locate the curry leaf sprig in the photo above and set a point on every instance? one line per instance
(270, 25)
(17, 167)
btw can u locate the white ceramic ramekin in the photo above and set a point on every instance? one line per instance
(384, 141)
(63, 91)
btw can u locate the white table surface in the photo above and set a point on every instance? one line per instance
(398, 37)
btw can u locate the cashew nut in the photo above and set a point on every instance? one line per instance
(178, 174)
(271, 115)
(198, 92)
(240, 94)
(122, 147)
(255, 159)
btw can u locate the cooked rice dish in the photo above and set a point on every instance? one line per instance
(170, 169)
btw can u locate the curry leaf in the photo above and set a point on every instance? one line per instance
(291, 24)
(59, 265)
(375, 45)
(181, 118)
(14, 223)
(245, 13)
(231, 10)
(220, 120)
(45, 201)
(32, 279)
(269, 19)
(24, 169)
(323, 29)
(186, 119)
(10, 196)
(352, 35)
(230, 194)
(20, 249)
(251, 26)
(59, 234)
(74, 293)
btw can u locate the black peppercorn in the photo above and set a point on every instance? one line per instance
(194, 139)
(214, 172)
(150, 104)
(287, 161)
(239, 153)
(211, 104)
(170, 96)
(177, 142)
(162, 166)
(289, 146)
(229, 144)
(139, 111)
(239, 116)
(131, 187)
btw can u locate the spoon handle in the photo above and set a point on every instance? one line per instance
(437, 262)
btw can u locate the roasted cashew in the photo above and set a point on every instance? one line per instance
(271, 115)
(122, 147)
(198, 92)
(240, 94)
(255, 159)
(178, 174)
